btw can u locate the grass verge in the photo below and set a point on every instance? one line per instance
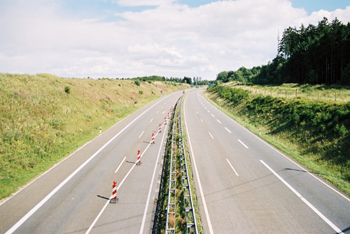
(44, 118)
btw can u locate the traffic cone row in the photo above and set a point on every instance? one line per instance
(114, 198)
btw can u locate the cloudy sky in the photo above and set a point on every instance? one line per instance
(129, 38)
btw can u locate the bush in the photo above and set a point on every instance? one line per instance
(140, 91)
(137, 82)
(67, 89)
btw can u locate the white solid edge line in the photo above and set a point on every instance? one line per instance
(198, 179)
(43, 201)
(120, 184)
(120, 165)
(301, 167)
(211, 135)
(141, 134)
(242, 143)
(227, 130)
(332, 225)
(151, 185)
(232, 167)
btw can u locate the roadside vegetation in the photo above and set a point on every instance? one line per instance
(179, 221)
(314, 133)
(44, 118)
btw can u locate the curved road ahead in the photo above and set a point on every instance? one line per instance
(243, 184)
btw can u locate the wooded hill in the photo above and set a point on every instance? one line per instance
(314, 55)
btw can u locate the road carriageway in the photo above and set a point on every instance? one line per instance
(246, 186)
(69, 197)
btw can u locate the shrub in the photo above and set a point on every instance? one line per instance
(140, 91)
(137, 82)
(340, 131)
(67, 89)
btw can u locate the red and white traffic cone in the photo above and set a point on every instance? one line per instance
(114, 193)
(138, 161)
(152, 142)
(168, 115)
(160, 128)
(171, 109)
(164, 120)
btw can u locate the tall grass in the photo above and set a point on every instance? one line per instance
(332, 93)
(44, 118)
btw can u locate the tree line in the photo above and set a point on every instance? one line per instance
(188, 80)
(314, 55)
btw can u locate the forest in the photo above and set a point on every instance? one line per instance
(308, 55)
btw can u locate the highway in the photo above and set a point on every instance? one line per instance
(65, 199)
(246, 186)
(243, 184)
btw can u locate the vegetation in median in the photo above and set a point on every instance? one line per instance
(178, 221)
(315, 133)
(44, 118)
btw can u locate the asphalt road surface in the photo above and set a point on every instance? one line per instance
(243, 184)
(246, 186)
(65, 199)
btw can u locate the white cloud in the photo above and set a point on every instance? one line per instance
(143, 2)
(169, 40)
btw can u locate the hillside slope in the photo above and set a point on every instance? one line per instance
(44, 118)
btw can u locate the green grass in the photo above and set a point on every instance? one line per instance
(44, 118)
(331, 93)
(309, 135)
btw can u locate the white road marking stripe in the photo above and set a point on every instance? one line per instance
(163, 112)
(228, 130)
(209, 111)
(242, 143)
(120, 165)
(157, 112)
(335, 228)
(232, 167)
(151, 120)
(212, 115)
(198, 178)
(197, 112)
(141, 134)
(202, 120)
(211, 135)
(150, 187)
(43, 201)
(120, 184)
(218, 120)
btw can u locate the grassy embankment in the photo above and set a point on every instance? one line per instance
(314, 133)
(44, 118)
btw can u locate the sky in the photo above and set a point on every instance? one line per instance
(131, 38)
